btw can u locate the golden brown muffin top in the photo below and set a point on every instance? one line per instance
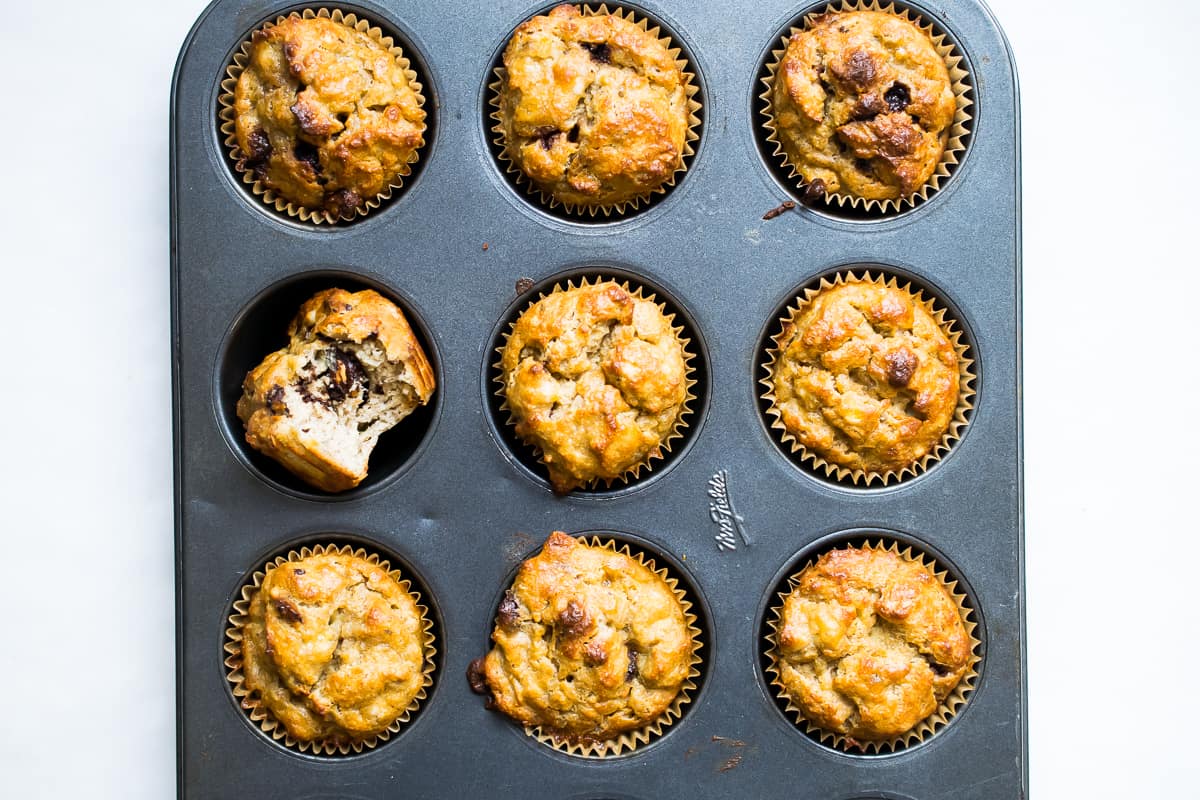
(339, 315)
(334, 647)
(865, 378)
(325, 115)
(869, 643)
(352, 358)
(589, 643)
(594, 378)
(863, 102)
(594, 108)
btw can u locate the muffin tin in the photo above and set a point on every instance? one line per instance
(456, 502)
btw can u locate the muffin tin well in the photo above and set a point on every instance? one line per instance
(953, 321)
(904, 542)
(379, 26)
(457, 502)
(642, 548)
(522, 455)
(359, 546)
(534, 200)
(261, 328)
(774, 161)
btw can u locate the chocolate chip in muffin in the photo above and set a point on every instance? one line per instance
(901, 364)
(306, 153)
(258, 147)
(600, 53)
(546, 137)
(509, 611)
(814, 191)
(288, 611)
(475, 676)
(573, 619)
(897, 97)
(342, 202)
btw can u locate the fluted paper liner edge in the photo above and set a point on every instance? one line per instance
(631, 740)
(946, 710)
(682, 418)
(257, 711)
(958, 131)
(690, 88)
(966, 378)
(228, 120)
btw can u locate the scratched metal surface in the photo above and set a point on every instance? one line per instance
(458, 504)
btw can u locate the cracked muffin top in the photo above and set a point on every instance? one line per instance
(862, 102)
(865, 378)
(870, 643)
(589, 643)
(334, 647)
(325, 115)
(594, 109)
(595, 379)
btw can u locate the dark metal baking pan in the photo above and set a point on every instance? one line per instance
(454, 500)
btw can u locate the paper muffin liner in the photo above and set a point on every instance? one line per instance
(633, 472)
(959, 127)
(945, 711)
(261, 715)
(228, 117)
(631, 740)
(690, 88)
(966, 379)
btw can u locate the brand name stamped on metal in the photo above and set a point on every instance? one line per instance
(730, 525)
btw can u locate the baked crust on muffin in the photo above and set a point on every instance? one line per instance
(352, 370)
(325, 115)
(589, 643)
(865, 378)
(333, 647)
(863, 102)
(869, 643)
(594, 109)
(595, 379)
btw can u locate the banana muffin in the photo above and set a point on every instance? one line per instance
(862, 104)
(594, 110)
(595, 378)
(352, 370)
(589, 644)
(333, 647)
(869, 644)
(326, 115)
(864, 377)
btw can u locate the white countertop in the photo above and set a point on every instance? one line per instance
(1110, 117)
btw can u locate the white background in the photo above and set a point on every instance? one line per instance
(1112, 302)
